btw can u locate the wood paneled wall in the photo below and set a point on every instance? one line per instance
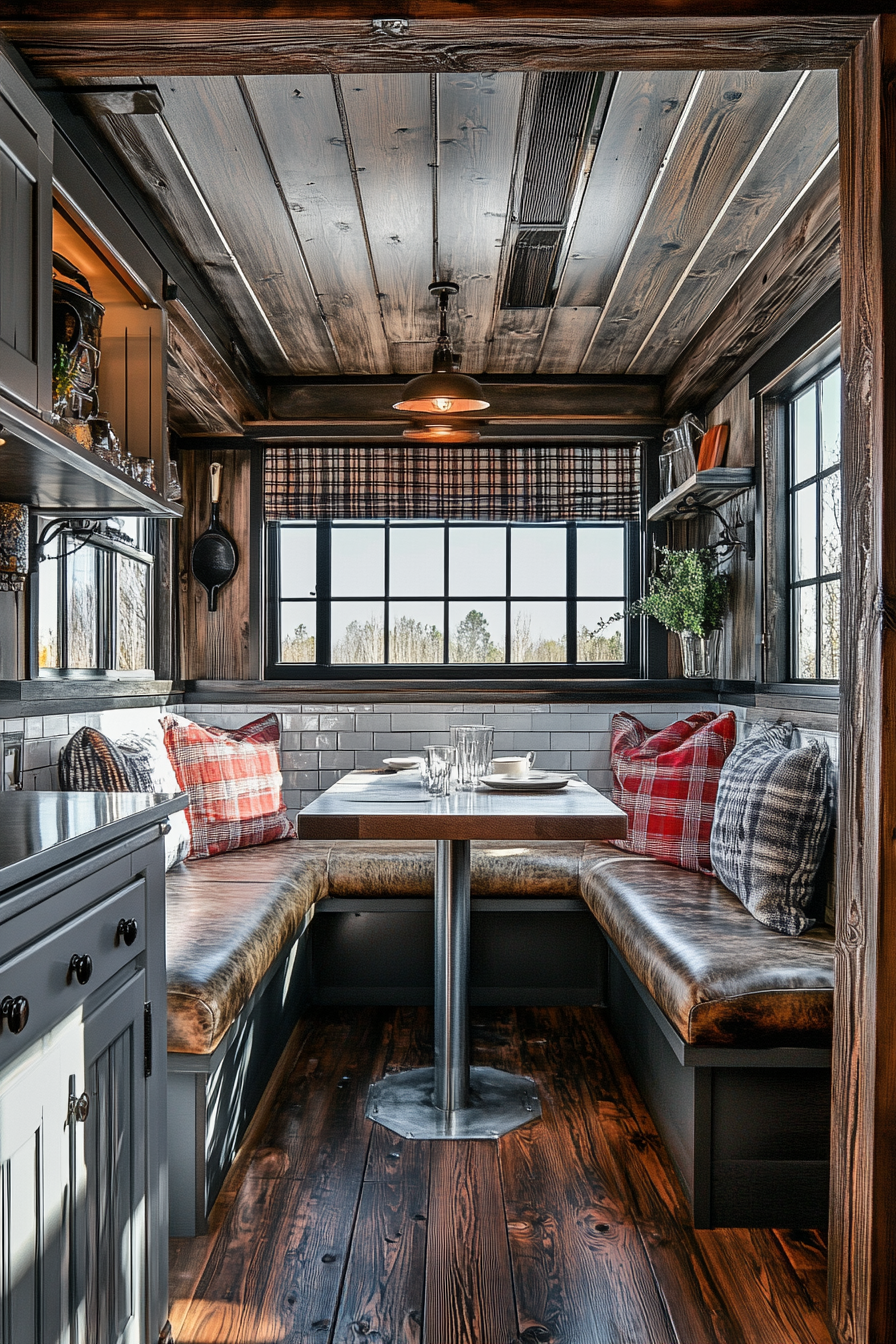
(216, 644)
(737, 650)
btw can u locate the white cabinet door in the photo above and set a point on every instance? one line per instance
(109, 1225)
(33, 1193)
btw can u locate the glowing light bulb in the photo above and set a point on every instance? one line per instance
(443, 403)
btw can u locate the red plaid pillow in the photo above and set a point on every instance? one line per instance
(233, 781)
(667, 783)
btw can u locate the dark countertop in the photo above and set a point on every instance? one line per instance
(41, 831)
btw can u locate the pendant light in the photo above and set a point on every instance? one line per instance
(445, 431)
(444, 391)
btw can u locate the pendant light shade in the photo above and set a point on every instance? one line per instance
(442, 394)
(444, 391)
(446, 432)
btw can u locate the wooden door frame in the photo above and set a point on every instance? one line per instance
(72, 39)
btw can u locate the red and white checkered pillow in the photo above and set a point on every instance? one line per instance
(667, 782)
(233, 781)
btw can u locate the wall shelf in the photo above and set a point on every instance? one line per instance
(45, 469)
(704, 490)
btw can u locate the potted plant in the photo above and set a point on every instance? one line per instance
(688, 595)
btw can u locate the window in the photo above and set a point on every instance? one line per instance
(478, 597)
(814, 503)
(94, 596)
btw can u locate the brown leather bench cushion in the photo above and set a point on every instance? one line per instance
(229, 917)
(720, 976)
(407, 868)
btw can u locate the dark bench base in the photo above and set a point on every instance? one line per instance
(212, 1098)
(524, 951)
(747, 1130)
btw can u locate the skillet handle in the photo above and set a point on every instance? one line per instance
(214, 472)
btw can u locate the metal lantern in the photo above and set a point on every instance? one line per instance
(13, 547)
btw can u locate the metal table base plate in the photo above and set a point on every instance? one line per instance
(499, 1103)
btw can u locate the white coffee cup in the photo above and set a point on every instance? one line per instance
(516, 767)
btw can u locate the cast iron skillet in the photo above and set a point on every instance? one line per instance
(214, 558)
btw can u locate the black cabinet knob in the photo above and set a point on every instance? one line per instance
(15, 1010)
(127, 931)
(81, 968)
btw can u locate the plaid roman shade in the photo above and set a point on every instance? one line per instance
(525, 482)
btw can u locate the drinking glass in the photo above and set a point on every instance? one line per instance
(439, 762)
(473, 747)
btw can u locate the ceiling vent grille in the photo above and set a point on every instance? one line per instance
(559, 123)
(529, 276)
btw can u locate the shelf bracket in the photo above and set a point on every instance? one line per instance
(728, 541)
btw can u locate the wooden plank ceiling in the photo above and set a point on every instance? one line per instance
(593, 221)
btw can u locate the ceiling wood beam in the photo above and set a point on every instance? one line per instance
(519, 401)
(203, 392)
(71, 41)
(800, 263)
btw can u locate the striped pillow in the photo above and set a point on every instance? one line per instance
(91, 763)
(233, 781)
(773, 815)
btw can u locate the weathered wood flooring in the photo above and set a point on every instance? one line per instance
(572, 1230)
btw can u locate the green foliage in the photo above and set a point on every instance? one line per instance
(687, 593)
(63, 373)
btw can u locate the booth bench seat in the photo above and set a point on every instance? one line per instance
(726, 1025)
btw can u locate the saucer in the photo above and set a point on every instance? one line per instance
(402, 762)
(537, 781)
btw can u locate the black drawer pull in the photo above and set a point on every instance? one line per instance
(127, 931)
(15, 1010)
(81, 968)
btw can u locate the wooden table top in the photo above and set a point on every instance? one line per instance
(396, 807)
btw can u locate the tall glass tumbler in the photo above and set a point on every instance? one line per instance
(473, 750)
(439, 762)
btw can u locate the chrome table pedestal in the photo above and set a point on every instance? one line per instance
(451, 1100)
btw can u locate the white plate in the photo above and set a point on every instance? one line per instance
(537, 781)
(402, 762)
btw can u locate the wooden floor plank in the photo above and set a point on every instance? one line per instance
(648, 1188)
(580, 1268)
(767, 1296)
(382, 1297)
(469, 1288)
(335, 1230)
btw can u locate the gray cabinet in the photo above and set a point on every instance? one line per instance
(33, 1192)
(108, 1244)
(26, 184)
(83, 1216)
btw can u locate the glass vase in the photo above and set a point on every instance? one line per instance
(699, 653)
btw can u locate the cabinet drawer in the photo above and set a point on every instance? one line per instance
(44, 973)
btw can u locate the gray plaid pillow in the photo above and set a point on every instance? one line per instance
(773, 813)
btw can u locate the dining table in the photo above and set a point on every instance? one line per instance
(451, 1100)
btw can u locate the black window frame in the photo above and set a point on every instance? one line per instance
(276, 670)
(793, 487)
(108, 548)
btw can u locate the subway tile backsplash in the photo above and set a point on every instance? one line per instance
(320, 742)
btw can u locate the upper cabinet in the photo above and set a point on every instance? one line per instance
(26, 184)
(51, 458)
